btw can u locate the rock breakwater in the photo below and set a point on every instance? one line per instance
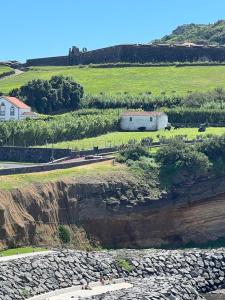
(155, 274)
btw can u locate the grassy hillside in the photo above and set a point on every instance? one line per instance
(10, 182)
(4, 69)
(132, 80)
(197, 33)
(119, 138)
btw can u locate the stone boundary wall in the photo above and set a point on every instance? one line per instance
(155, 274)
(51, 167)
(49, 61)
(31, 155)
(44, 155)
(136, 54)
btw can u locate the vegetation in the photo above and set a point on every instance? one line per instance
(48, 96)
(180, 163)
(23, 250)
(74, 125)
(133, 80)
(64, 234)
(124, 264)
(177, 162)
(197, 33)
(10, 182)
(122, 138)
(4, 70)
(214, 99)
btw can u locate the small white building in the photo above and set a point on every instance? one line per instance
(143, 120)
(12, 108)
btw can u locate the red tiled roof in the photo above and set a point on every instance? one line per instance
(142, 113)
(17, 102)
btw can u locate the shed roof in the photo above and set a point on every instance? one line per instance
(15, 101)
(143, 113)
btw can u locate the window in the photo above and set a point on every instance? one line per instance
(151, 119)
(131, 119)
(12, 111)
(2, 109)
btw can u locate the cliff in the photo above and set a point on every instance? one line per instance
(115, 210)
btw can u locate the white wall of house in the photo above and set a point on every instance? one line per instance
(150, 122)
(8, 111)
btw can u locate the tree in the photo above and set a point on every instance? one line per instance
(58, 94)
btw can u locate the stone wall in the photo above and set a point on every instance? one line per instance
(136, 54)
(43, 155)
(31, 155)
(155, 274)
(48, 61)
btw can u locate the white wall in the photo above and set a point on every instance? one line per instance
(155, 123)
(18, 111)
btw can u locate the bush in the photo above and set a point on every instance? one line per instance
(180, 163)
(64, 234)
(133, 152)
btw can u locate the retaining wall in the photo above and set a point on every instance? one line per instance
(155, 274)
(32, 155)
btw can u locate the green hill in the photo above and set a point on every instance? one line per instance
(197, 33)
(133, 80)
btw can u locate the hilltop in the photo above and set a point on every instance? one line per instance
(204, 34)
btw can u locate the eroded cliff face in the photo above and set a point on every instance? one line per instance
(117, 211)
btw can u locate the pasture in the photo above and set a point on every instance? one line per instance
(4, 69)
(9, 182)
(119, 138)
(131, 80)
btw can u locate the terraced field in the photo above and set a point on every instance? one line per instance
(133, 80)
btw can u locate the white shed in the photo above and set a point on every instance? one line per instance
(143, 120)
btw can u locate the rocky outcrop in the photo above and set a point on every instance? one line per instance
(155, 274)
(116, 210)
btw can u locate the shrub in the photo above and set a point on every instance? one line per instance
(64, 234)
(124, 264)
(133, 152)
(180, 163)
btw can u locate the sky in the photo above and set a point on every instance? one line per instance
(41, 28)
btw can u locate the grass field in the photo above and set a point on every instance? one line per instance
(133, 80)
(119, 138)
(22, 250)
(10, 182)
(4, 69)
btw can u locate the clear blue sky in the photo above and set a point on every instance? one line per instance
(39, 28)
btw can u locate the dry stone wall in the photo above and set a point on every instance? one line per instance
(155, 274)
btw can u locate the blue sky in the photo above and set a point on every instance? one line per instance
(39, 28)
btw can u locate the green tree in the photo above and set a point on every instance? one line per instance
(58, 94)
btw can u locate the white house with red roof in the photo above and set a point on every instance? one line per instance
(11, 108)
(143, 120)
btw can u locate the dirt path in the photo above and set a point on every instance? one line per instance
(77, 293)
